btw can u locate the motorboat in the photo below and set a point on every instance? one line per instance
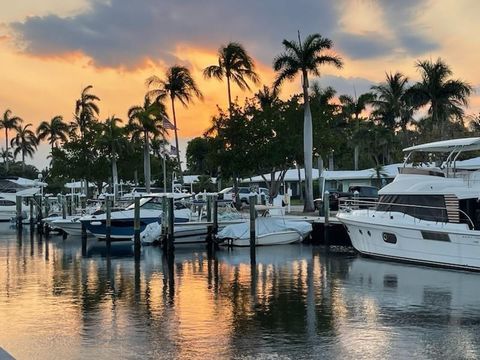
(426, 215)
(268, 231)
(10, 188)
(195, 230)
(122, 221)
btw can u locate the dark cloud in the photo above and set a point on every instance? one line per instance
(122, 32)
(348, 86)
(125, 32)
(364, 46)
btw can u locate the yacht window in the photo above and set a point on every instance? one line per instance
(425, 207)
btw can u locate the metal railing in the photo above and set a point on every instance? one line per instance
(347, 205)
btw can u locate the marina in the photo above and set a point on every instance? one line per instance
(298, 301)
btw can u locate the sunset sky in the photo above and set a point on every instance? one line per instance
(51, 49)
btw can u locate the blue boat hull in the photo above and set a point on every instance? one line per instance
(121, 228)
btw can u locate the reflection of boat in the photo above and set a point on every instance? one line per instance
(409, 286)
(431, 216)
(272, 255)
(268, 231)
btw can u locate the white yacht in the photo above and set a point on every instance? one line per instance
(426, 215)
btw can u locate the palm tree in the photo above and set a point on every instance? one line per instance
(305, 58)
(351, 109)
(54, 131)
(8, 122)
(143, 122)
(445, 97)
(4, 154)
(86, 110)
(25, 142)
(235, 65)
(112, 139)
(178, 85)
(391, 105)
(267, 97)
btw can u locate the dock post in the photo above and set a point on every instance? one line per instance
(252, 202)
(209, 219)
(215, 214)
(163, 236)
(64, 207)
(19, 211)
(108, 221)
(84, 239)
(32, 218)
(171, 230)
(209, 208)
(136, 226)
(326, 225)
(47, 206)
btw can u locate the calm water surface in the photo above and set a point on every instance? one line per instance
(297, 302)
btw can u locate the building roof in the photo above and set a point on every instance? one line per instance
(191, 179)
(388, 171)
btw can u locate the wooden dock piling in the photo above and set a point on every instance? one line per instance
(136, 226)
(326, 207)
(108, 220)
(252, 202)
(171, 227)
(19, 219)
(32, 217)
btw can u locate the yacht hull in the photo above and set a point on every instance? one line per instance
(402, 238)
(277, 238)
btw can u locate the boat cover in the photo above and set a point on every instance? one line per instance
(263, 226)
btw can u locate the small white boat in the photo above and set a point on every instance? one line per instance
(71, 225)
(268, 231)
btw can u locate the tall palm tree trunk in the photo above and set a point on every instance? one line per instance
(146, 162)
(6, 148)
(114, 176)
(176, 139)
(307, 147)
(23, 162)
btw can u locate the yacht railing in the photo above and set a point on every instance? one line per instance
(348, 205)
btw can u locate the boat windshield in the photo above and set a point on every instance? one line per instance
(151, 203)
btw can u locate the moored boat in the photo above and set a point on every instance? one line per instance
(426, 215)
(268, 230)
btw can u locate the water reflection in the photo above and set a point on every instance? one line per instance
(296, 301)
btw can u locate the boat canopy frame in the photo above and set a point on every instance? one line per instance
(453, 147)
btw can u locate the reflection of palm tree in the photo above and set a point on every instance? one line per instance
(25, 143)
(178, 85)
(144, 122)
(352, 109)
(446, 97)
(305, 58)
(235, 65)
(8, 122)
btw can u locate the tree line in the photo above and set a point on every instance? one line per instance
(262, 135)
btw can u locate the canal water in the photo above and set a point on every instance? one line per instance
(297, 302)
